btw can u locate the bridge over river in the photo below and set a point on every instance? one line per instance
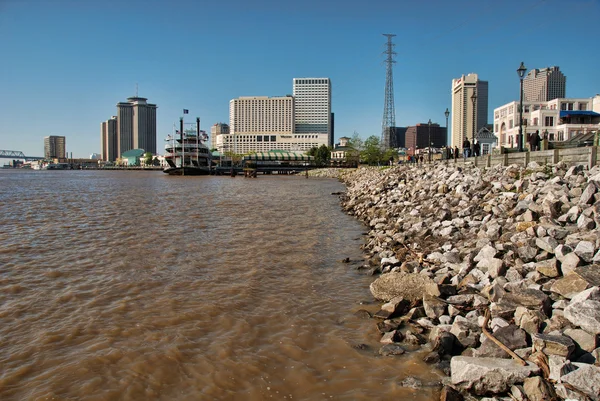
(17, 154)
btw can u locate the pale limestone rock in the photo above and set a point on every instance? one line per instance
(488, 375)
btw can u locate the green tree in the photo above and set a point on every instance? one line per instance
(390, 154)
(356, 145)
(371, 152)
(147, 158)
(322, 156)
(312, 151)
(356, 142)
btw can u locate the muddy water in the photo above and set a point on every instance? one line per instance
(139, 286)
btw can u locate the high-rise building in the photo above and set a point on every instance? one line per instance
(312, 107)
(542, 85)
(468, 116)
(258, 123)
(216, 130)
(296, 123)
(423, 135)
(397, 135)
(109, 140)
(55, 147)
(136, 125)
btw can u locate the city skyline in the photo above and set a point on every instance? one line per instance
(64, 71)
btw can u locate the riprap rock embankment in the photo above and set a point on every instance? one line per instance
(497, 270)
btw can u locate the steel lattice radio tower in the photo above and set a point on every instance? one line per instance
(389, 113)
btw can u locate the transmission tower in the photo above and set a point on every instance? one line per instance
(389, 113)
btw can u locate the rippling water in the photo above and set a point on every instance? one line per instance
(136, 285)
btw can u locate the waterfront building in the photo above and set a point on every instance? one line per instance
(418, 137)
(136, 125)
(344, 154)
(109, 140)
(261, 124)
(468, 116)
(292, 123)
(486, 139)
(216, 130)
(541, 85)
(312, 107)
(132, 157)
(55, 147)
(558, 119)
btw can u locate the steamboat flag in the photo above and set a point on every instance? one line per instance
(185, 111)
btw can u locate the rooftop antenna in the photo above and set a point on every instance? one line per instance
(389, 112)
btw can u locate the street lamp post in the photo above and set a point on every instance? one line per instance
(521, 71)
(429, 140)
(474, 99)
(447, 113)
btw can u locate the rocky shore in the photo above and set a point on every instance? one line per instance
(495, 271)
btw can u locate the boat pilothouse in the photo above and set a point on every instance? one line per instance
(186, 153)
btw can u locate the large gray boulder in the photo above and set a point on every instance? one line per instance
(537, 389)
(585, 379)
(511, 336)
(584, 310)
(489, 375)
(553, 344)
(409, 286)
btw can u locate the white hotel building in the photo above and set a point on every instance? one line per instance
(560, 119)
(292, 123)
(468, 117)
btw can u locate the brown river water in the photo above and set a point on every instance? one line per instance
(130, 285)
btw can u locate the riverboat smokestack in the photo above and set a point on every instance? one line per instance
(198, 127)
(181, 130)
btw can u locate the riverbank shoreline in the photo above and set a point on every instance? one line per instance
(503, 267)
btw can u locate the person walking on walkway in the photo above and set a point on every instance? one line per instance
(466, 148)
(456, 152)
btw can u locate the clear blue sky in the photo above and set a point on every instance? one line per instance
(64, 64)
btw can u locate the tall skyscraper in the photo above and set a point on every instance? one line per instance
(542, 85)
(55, 147)
(464, 111)
(293, 123)
(312, 107)
(136, 125)
(109, 140)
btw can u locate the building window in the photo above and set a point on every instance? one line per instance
(549, 122)
(485, 148)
